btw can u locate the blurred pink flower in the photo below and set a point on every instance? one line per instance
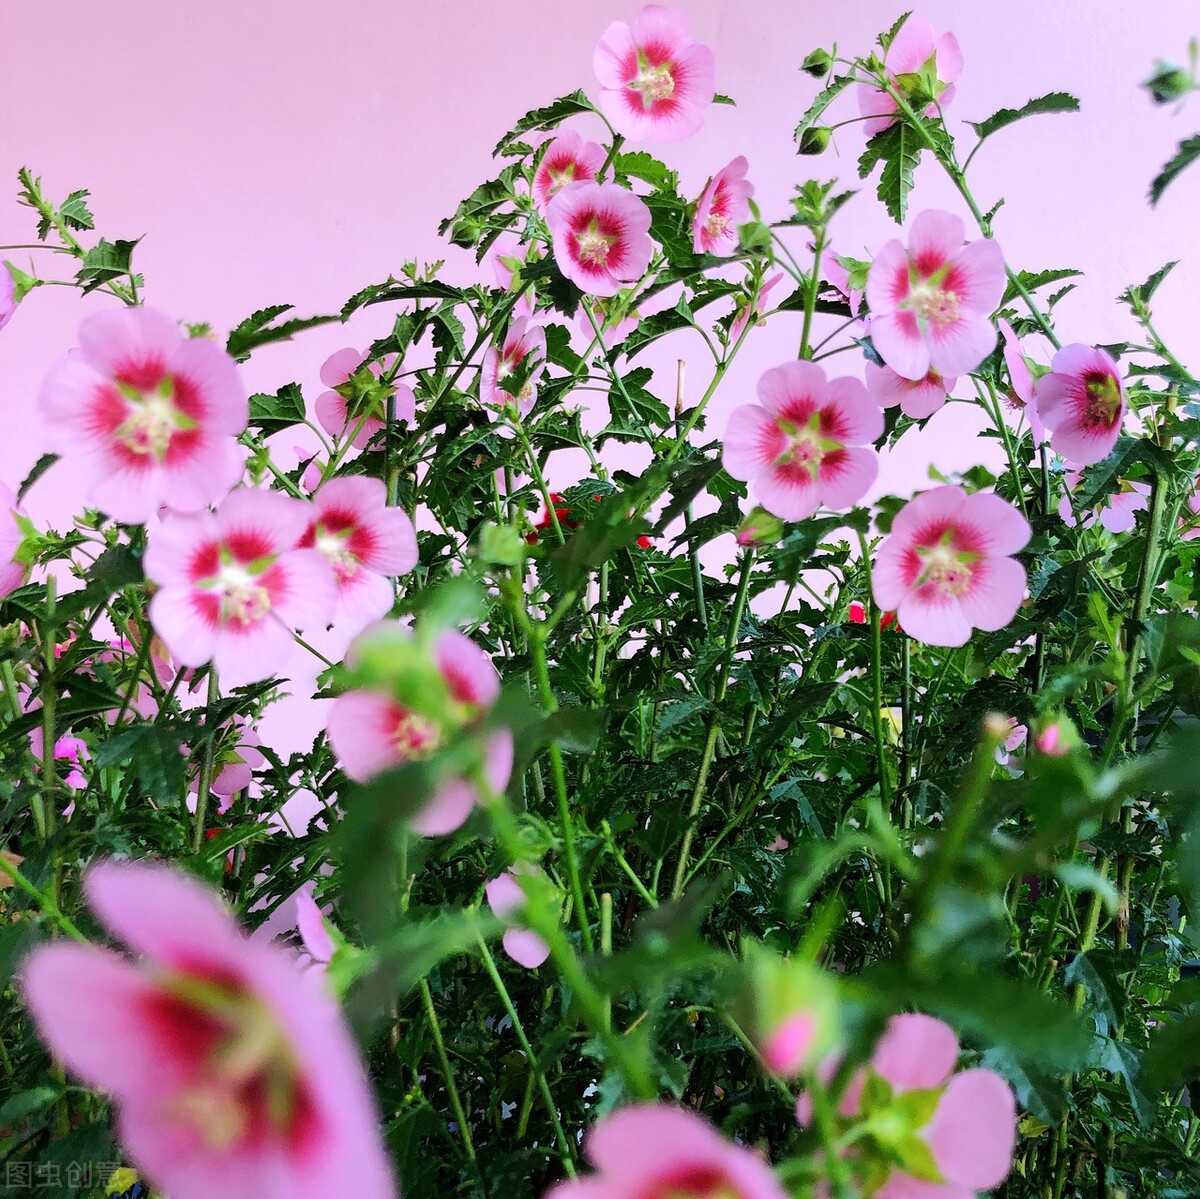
(1082, 402)
(914, 48)
(520, 342)
(723, 206)
(1116, 512)
(506, 899)
(235, 764)
(799, 447)
(601, 236)
(1017, 734)
(372, 731)
(655, 81)
(339, 415)
(366, 543)
(757, 309)
(8, 295)
(68, 748)
(917, 398)
(1054, 739)
(944, 567)
(12, 573)
(568, 159)
(230, 1075)
(233, 586)
(313, 932)
(930, 303)
(145, 417)
(507, 257)
(659, 1151)
(785, 1051)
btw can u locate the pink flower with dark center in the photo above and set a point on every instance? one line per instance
(372, 731)
(601, 236)
(230, 1074)
(1082, 402)
(916, 60)
(357, 401)
(944, 568)
(145, 417)
(12, 572)
(969, 1136)
(655, 81)
(799, 447)
(367, 544)
(522, 341)
(930, 304)
(1022, 397)
(506, 899)
(568, 159)
(917, 398)
(756, 309)
(723, 206)
(233, 585)
(1116, 512)
(659, 1151)
(8, 295)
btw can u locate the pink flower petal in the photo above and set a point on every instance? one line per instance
(753, 442)
(916, 1051)
(973, 1131)
(898, 341)
(996, 591)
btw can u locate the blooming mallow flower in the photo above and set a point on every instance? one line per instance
(659, 1151)
(723, 206)
(522, 341)
(917, 63)
(12, 572)
(1082, 402)
(601, 235)
(930, 303)
(1117, 512)
(1015, 735)
(506, 899)
(357, 400)
(568, 159)
(424, 695)
(929, 1132)
(917, 398)
(365, 542)
(233, 586)
(231, 1075)
(945, 569)
(803, 444)
(655, 81)
(145, 417)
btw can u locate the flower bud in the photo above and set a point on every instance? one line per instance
(759, 528)
(1168, 83)
(817, 64)
(815, 140)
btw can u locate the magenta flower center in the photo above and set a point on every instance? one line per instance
(654, 82)
(807, 447)
(694, 1182)
(593, 244)
(944, 567)
(152, 420)
(932, 304)
(243, 600)
(335, 545)
(414, 736)
(716, 226)
(1103, 399)
(560, 177)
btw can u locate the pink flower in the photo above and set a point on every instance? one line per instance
(798, 445)
(930, 303)
(233, 585)
(917, 398)
(1055, 739)
(838, 278)
(1013, 740)
(601, 236)
(8, 295)
(857, 613)
(144, 417)
(723, 206)
(12, 572)
(67, 748)
(230, 1075)
(508, 256)
(944, 567)
(365, 542)
(786, 1049)
(236, 763)
(372, 730)
(313, 932)
(520, 342)
(506, 899)
(756, 309)
(1082, 402)
(932, 63)
(659, 1151)
(970, 1134)
(1023, 390)
(568, 159)
(655, 81)
(358, 400)
(1116, 512)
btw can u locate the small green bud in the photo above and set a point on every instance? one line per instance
(817, 64)
(1168, 83)
(815, 139)
(501, 545)
(760, 527)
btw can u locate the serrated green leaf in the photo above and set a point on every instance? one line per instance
(821, 102)
(280, 411)
(107, 260)
(257, 330)
(1051, 102)
(547, 117)
(1185, 154)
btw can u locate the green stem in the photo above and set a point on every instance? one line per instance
(207, 759)
(460, 1116)
(876, 679)
(44, 902)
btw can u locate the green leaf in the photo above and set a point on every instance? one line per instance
(151, 752)
(1140, 295)
(1186, 153)
(886, 39)
(280, 411)
(1032, 280)
(899, 149)
(106, 261)
(40, 467)
(548, 117)
(74, 211)
(821, 102)
(393, 291)
(646, 167)
(1051, 102)
(258, 330)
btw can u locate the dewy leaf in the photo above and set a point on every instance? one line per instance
(1051, 102)
(544, 118)
(1185, 155)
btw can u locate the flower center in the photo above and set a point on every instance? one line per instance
(807, 447)
(560, 178)
(415, 736)
(947, 569)
(696, 1182)
(655, 83)
(1103, 399)
(716, 226)
(933, 304)
(335, 547)
(152, 420)
(243, 600)
(593, 246)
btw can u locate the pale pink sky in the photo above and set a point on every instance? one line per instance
(294, 150)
